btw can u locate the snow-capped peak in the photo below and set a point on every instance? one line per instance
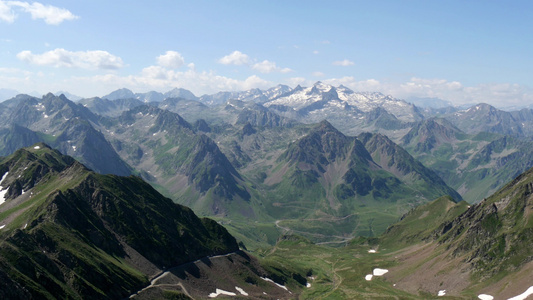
(319, 87)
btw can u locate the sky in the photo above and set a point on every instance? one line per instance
(459, 51)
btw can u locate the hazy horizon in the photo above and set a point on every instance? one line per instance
(462, 52)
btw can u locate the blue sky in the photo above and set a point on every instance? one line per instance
(460, 51)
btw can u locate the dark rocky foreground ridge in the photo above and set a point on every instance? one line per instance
(67, 232)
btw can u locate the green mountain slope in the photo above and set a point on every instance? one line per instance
(189, 166)
(328, 187)
(466, 250)
(67, 232)
(438, 249)
(419, 224)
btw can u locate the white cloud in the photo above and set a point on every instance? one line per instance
(162, 79)
(315, 52)
(496, 94)
(285, 70)
(235, 58)
(343, 63)
(6, 14)
(51, 15)
(96, 59)
(265, 66)
(171, 60)
(318, 74)
(156, 72)
(268, 67)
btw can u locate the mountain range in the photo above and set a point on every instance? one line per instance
(320, 183)
(235, 164)
(230, 161)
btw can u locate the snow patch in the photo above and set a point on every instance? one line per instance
(371, 251)
(485, 297)
(2, 226)
(376, 272)
(3, 193)
(441, 293)
(379, 272)
(221, 292)
(241, 291)
(524, 295)
(4, 177)
(308, 285)
(25, 226)
(37, 147)
(280, 285)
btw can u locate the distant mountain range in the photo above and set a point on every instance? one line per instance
(236, 165)
(228, 155)
(356, 112)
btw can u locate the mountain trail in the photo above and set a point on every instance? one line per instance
(156, 278)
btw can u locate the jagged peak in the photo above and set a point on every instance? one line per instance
(345, 89)
(320, 87)
(49, 96)
(325, 126)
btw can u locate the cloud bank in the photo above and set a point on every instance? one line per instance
(170, 71)
(96, 59)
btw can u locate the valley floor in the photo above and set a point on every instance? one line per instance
(350, 273)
